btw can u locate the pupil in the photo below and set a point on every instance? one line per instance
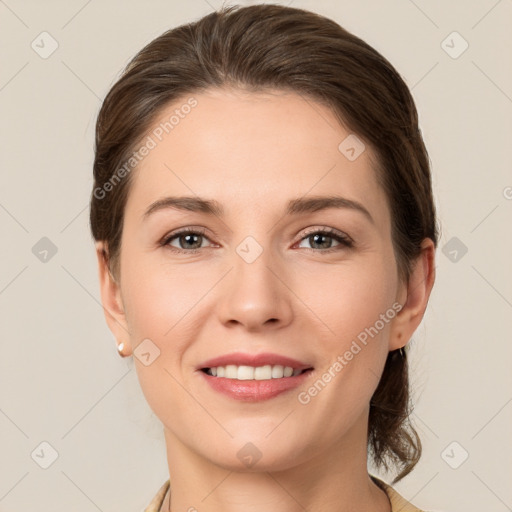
(319, 235)
(189, 238)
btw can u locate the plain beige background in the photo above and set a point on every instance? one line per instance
(61, 381)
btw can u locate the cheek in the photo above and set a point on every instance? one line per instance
(165, 303)
(162, 306)
(356, 305)
(160, 296)
(348, 298)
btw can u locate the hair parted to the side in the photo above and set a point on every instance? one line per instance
(275, 47)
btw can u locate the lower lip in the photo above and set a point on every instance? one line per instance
(254, 390)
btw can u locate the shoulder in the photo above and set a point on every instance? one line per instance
(156, 502)
(398, 503)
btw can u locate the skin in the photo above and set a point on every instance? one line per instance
(195, 306)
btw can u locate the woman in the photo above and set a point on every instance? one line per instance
(266, 234)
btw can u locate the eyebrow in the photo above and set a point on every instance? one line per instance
(294, 206)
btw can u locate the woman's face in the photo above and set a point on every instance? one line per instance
(262, 276)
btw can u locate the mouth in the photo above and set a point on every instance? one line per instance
(244, 372)
(254, 377)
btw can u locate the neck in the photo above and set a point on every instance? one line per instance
(333, 480)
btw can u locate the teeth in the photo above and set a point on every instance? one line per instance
(231, 372)
(266, 372)
(277, 371)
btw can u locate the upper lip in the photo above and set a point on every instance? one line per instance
(242, 359)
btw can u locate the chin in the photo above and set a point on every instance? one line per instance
(257, 453)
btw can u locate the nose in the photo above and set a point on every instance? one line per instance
(254, 294)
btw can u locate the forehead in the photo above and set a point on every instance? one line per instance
(257, 147)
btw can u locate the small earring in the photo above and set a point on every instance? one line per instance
(120, 348)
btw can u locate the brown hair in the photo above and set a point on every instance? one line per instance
(275, 47)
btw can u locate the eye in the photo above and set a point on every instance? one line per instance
(323, 238)
(189, 240)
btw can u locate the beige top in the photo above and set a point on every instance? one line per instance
(398, 504)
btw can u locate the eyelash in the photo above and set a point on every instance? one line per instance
(344, 240)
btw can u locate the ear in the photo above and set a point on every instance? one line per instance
(414, 297)
(112, 300)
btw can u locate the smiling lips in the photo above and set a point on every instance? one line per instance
(254, 377)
